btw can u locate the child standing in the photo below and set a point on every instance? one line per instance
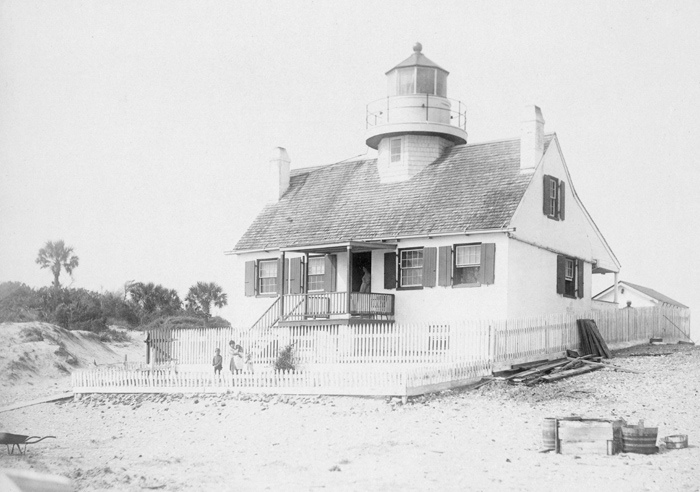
(218, 362)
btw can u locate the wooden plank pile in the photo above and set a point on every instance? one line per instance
(592, 356)
(555, 370)
(592, 342)
(545, 372)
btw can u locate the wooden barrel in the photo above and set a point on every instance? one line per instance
(549, 433)
(640, 440)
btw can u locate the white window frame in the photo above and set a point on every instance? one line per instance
(472, 261)
(554, 197)
(316, 271)
(391, 151)
(412, 268)
(261, 277)
(570, 277)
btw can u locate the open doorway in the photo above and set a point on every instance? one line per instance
(360, 260)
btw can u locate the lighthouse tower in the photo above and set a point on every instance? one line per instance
(416, 122)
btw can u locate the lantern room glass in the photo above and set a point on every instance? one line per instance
(418, 80)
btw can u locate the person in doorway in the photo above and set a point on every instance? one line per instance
(217, 362)
(366, 281)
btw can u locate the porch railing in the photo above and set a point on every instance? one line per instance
(326, 304)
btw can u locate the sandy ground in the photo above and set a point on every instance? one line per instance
(482, 440)
(36, 358)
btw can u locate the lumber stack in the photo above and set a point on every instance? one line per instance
(554, 370)
(592, 342)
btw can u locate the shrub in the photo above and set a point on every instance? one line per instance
(285, 359)
(18, 303)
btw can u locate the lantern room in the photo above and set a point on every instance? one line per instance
(417, 75)
(416, 121)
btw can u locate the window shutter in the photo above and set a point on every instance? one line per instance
(561, 201)
(445, 266)
(294, 275)
(280, 276)
(488, 263)
(579, 278)
(390, 270)
(250, 278)
(561, 274)
(329, 273)
(429, 266)
(546, 204)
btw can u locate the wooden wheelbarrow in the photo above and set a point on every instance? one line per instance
(18, 439)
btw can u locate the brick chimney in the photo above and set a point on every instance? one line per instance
(531, 138)
(278, 174)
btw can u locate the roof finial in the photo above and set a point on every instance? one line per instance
(417, 47)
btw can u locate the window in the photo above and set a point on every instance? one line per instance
(411, 268)
(425, 80)
(570, 276)
(316, 273)
(441, 83)
(267, 277)
(467, 264)
(418, 80)
(405, 81)
(554, 192)
(395, 150)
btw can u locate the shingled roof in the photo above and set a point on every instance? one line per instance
(653, 294)
(470, 187)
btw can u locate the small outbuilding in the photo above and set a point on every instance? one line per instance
(634, 295)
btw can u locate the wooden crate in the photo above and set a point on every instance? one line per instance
(589, 436)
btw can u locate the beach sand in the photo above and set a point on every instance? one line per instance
(484, 439)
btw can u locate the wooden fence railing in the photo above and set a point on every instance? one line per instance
(434, 355)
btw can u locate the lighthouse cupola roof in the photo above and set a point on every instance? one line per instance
(418, 59)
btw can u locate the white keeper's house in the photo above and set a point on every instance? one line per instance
(446, 229)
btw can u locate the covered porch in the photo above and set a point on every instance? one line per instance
(344, 297)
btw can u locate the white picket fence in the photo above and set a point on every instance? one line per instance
(386, 359)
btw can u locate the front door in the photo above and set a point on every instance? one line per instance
(360, 260)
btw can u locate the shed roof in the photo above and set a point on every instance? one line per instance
(470, 187)
(647, 291)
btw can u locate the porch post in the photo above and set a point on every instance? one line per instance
(305, 282)
(616, 280)
(284, 277)
(349, 280)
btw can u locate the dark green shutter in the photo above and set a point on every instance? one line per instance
(429, 266)
(250, 280)
(390, 270)
(579, 278)
(329, 273)
(294, 275)
(546, 203)
(445, 266)
(561, 201)
(561, 274)
(487, 269)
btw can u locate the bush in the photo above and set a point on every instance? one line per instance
(18, 303)
(112, 335)
(285, 359)
(175, 322)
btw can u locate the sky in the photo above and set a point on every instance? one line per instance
(138, 131)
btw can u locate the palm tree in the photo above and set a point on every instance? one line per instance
(152, 298)
(56, 256)
(202, 295)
